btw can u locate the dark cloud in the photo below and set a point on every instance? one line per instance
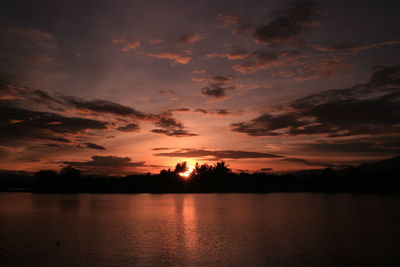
(288, 23)
(168, 123)
(351, 48)
(372, 108)
(170, 126)
(265, 125)
(132, 127)
(106, 164)
(19, 124)
(84, 110)
(217, 154)
(213, 92)
(30, 96)
(93, 146)
(165, 92)
(266, 169)
(311, 163)
(218, 111)
(216, 86)
(174, 132)
(60, 139)
(162, 148)
(179, 110)
(383, 145)
(104, 106)
(212, 111)
(52, 145)
(387, 77)
(263, 59)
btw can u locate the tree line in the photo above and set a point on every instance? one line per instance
(219, 178)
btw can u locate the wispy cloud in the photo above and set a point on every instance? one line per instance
(127, 44)
(173, 57)
(216, 154)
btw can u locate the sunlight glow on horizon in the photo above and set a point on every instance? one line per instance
(188, 172)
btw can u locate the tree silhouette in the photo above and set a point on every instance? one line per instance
(375, 177)
(202, 169)
(222, 168)
(71, 172)
(181, 167)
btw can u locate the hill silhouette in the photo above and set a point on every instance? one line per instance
(377, 177)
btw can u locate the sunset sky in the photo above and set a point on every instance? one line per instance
(123, 87)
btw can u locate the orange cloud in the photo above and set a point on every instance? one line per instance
(128, 44)
(175, 58)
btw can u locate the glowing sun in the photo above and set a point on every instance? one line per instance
(187, 173)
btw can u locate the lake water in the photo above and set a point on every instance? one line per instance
(199, 230)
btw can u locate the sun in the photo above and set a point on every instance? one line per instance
(187, 173)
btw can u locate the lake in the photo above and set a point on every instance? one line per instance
(279, 229)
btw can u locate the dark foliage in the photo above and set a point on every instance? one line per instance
(378, 177)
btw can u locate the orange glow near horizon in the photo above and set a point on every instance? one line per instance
(186, 174)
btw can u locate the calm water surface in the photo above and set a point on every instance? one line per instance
(199, 230)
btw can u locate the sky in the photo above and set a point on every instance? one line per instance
(121, 87)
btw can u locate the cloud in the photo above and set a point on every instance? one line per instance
(18, 124)
(321, 68)
(216, 154)
(199, 71)
(226, 20)
(40, 38)
(30, 96)
(351, 48)
(174, 132)
(311, 163)
(216, 86)
(167, 92)
(288, 23)
(212, 111)
(103, 106)
(170, 126)
(92, 146)
(28, 53)
(156, 41)
(174, 57)
(132, 127)
(106, 164)
(63, 109)
(127, 44)
(364, 109)
(381, 145)
(260, 60)
(179, 110)
(238, 24)
(217, 111)
(263, 59)
(162, 148)
(189, 39)
(234, 53)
